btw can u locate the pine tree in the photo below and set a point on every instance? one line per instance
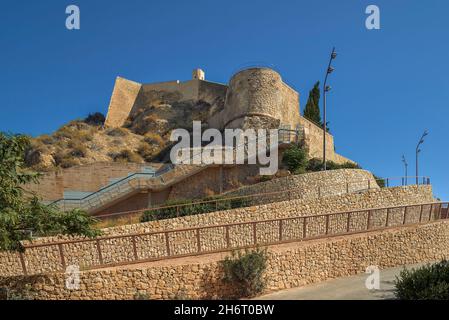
(312, 109)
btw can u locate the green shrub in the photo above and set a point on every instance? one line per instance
(430, 282)
(95, 119)
(187, 208)
(381, 182)
(316, 164)
(244, 271)
(24, 293)
(295, 158)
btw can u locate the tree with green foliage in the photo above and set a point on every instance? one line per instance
(95, 119)
(430, 282)
(312, 109)
(295, 158)
(21, 213)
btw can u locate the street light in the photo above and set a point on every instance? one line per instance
(418, 150)
(326, 89)
(406, 169)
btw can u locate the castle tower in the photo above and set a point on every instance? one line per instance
(258, 98)
(198, 74)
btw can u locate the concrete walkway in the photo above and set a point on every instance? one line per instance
(349, 288)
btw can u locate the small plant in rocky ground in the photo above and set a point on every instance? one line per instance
(430, 282)
(181, 295)
(117, 132)
(64, 160)
(44, 139)
(126, 156)
(380, 182)
(78, 150)
(316, 164)
(95, 119)
(146, 151)
(244, 271)
(141, 296)
(25, 293)
(181, 208)
(154, 138)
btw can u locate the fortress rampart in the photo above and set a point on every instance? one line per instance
(254, 98)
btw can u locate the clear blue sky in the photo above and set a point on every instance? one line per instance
(389, 84)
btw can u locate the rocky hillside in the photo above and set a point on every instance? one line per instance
(145, 134)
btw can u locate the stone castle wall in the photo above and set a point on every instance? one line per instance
(129, 97)
(254, 98)
(86, 178)
(289, 266)
(122, 101)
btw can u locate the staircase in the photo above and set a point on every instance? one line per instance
(145, 180)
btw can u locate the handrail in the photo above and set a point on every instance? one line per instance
(226, 225)
(304, 225)
(187, 204)
(150, 175)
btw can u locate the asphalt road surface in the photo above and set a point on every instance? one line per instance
(349, 288)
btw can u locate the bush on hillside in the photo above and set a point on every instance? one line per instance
(126, 156)
(175, 209)
(244, 271)
(145, 151)
(430, 282)
(316, 164)
(295, 158)
(154, 138)
(117, 132)
(95, 119)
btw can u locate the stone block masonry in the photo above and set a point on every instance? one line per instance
(289, 265)
(47, 259)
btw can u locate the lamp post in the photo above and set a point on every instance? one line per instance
(406, 169)
(418, 150)
(326, 89)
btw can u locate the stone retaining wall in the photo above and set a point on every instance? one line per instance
(85, 254)
(289, 266)
(315, 184)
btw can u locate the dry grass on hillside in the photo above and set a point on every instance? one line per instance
(79, 143)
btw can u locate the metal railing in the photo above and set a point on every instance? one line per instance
(124, 185)
(144, 247)
(269, 197)
(108, 192)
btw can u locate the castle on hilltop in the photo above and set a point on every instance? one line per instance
(254, 98)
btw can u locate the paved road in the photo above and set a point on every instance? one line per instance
(349, 288)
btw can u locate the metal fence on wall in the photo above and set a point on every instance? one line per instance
(142, 247)
(269, 197)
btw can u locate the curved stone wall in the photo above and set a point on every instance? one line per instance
(312, 185)
(254, 99)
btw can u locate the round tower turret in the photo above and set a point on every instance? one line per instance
(253, 99)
